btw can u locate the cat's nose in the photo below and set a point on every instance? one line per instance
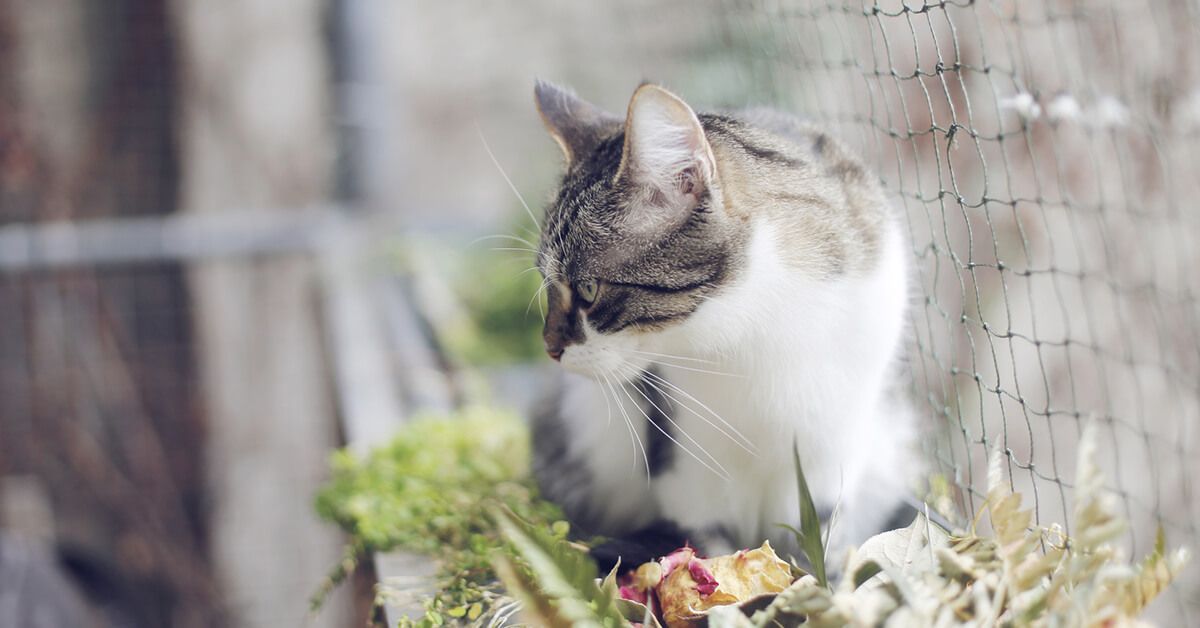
(555, 353)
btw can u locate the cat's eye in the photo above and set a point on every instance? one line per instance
(587, 290)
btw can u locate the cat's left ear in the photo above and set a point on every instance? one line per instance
(577, 125)
(666, 151)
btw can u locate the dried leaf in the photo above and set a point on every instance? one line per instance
(693, 588)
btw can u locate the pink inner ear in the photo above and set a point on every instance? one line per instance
(657, 198)
(687, 181)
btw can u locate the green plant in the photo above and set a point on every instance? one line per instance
(432, 490)
(808, 537)
(554, 578)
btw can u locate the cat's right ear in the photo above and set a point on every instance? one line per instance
(666, 152)
(577, 125)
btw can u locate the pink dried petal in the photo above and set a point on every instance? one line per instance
(633, 594)
(681, 556)
(706, 582)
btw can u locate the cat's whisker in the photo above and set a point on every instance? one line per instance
(692, 368)
(667, 355)
(685, 368)
(510, 248)
(536, 224)
(509, 261)
(537, 297)
(555, 267)
(744, 443)
(551, 268)
(747, 446)
(542, 306)
(724, 473)
(607, 404)
(606, 388)
(629, 424)
(502, 236)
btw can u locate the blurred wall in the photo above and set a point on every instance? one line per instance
(256, 136)
(451, 71)
(170, 424)
(98, 417)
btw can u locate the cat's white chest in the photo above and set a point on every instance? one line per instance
(801, 362)
(774, 359)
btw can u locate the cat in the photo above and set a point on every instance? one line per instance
(720, 287)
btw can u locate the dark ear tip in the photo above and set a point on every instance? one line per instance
(546, 94)
(544, 88)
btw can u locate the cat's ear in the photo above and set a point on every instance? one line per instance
(577, 125)
(666, 151)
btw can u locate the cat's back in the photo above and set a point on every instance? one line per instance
(800, 144)
(758, 120)
(831, 210)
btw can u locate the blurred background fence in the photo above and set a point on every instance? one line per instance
(237, 233)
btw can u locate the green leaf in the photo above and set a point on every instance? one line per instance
(865, 572)
(563, 574)
(537, 607)
(609, 585)
(637, 612)
(809, 534)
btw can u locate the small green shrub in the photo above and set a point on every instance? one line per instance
(433, 490)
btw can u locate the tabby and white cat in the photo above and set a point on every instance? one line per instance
(719, 286)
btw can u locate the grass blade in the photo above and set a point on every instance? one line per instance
(809, 534)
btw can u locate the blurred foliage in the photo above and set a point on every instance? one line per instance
(479, 297)
(555, 580)
(503, 322)
(434, 490)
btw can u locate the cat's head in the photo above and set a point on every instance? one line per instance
(637, 236)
